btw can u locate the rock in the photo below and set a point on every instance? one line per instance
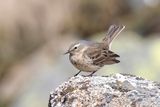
(119, 90)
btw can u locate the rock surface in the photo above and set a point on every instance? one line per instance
(119, 90)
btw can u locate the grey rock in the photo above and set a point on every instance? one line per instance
(119, 90)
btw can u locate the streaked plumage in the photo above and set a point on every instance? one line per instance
(91, 56)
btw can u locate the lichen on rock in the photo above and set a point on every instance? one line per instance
(119, 90)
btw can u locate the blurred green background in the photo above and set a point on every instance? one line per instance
(34, 34)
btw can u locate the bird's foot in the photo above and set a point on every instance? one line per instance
(90, 75)
(77, 73)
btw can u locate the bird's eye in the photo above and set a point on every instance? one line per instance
(75, 47)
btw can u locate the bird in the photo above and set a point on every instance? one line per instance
(90, 56)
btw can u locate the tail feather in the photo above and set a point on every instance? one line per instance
(114, 55)
(112, 33)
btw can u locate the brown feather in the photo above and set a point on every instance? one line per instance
(112, 33)
(101, 56)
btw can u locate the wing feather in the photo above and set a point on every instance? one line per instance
(101, 56)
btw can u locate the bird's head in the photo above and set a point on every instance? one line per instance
(77, 47)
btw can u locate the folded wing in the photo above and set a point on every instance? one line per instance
(101, 56)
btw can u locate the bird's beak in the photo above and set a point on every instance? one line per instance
(67, 52)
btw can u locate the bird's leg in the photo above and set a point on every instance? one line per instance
(91, 73)
(77, 73)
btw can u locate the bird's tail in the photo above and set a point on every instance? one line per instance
(112, 33)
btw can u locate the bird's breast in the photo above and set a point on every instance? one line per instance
(83, 63)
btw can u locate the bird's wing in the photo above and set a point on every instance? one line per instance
(101, 56)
